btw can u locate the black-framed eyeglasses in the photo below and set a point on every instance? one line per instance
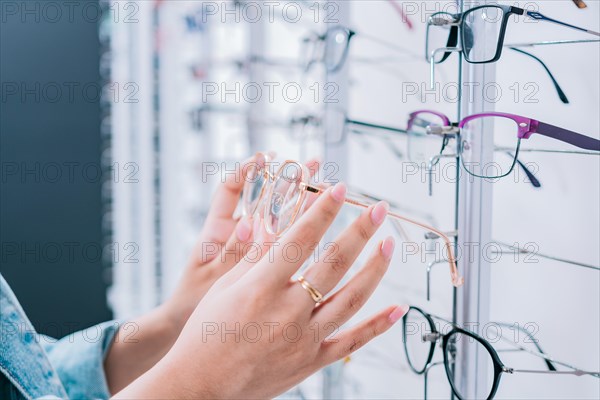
(483, 44)
(332, 47)
(420, 336)
(480, 43)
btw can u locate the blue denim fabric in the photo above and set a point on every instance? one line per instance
(38, 366)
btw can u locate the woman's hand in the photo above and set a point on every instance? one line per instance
(220, 246)
(222, 243)
(257, 333)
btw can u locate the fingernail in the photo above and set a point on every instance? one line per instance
(243, 230)
(387, 248)
(379, 213)
(339, 192)
(398, 313)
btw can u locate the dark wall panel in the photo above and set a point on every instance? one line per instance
(50, 205)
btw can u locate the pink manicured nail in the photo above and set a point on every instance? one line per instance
(339, 192)
(243, 230)
(398, 313)
(387, 248)
(379, 213)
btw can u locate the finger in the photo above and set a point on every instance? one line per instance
(260, 232)
(236, 247)
(304, 236)
(341, 254)
(227, 196)
(257, 248)
(350, 340)
(346, 302)
(312, 197)
(313, 166)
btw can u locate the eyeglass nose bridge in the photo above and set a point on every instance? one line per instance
(436, 21)
(431, 337)
(444, 131)
(432, 62)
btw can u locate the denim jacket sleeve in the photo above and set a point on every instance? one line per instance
(39, 367)
(78, 360)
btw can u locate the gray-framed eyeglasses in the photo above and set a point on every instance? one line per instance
(338, 125)
(333, 46)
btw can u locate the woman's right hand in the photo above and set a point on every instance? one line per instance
(257, 333)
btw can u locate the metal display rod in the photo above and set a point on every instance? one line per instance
(474, 220)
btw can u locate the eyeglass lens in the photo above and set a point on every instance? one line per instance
(285, 198)
(481, 30)
(462, 352)
(416, 329)
(253, 187)
(336, 45)
(505, 138)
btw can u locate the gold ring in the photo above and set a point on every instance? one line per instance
(314, 293)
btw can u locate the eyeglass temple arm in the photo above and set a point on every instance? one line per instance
(457, 280)
(576, 372)
(540, 355)
(564, 135)
(375, 126)
(561, 93)
(541, 17)
(549, 364)
(532, 179)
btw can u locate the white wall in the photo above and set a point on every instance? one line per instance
(562, 218)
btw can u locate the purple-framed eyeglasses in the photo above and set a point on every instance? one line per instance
(507, 129)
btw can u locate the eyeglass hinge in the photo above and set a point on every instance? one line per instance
(310, 188)
(507, 370)
(442, 130)
(433, 235)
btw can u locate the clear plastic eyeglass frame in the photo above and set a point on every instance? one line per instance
(280, 198)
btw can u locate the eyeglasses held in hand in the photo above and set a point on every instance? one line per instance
(420, 336)
(508, 131)
(332, 47)
(280, 198)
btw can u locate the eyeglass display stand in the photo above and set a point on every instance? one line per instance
(338, 153)
(471, 302)
(474, 219)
